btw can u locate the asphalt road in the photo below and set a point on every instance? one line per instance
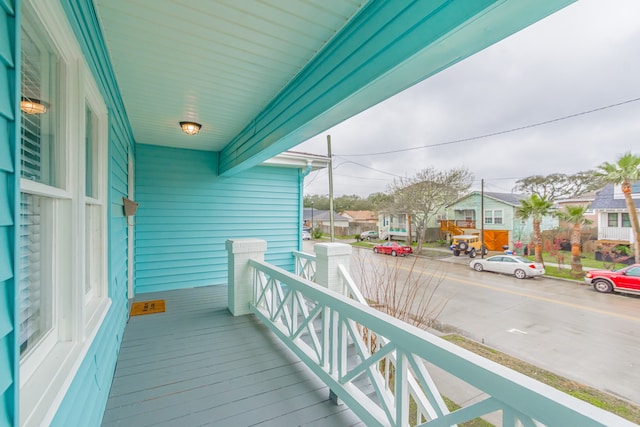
(561, 326)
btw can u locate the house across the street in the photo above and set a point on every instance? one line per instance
(502, 227)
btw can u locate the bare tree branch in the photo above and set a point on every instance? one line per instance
(428, 193)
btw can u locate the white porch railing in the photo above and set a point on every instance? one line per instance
(334, 336)
(421, 409)
(305, 265)
(615, 233)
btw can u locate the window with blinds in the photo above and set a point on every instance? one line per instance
(39, 77)
(38, 161)
(63, 289)
(35, 313)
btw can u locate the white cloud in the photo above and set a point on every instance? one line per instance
(581, 58)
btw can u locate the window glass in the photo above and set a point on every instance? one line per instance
(93, 249)
(90, 152)
(41, 161)
(40, 158)
(488, 217)
(35, 290)
(612, 219)
(497, 217)
(626, 222)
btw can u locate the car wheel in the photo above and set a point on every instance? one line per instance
(462, 246)
(375, 250)
(484, 250)
(472, 254)
(368, 237)
(394, 253)
(520, 274)
(603, 286)
(456, 252)
(478, 267)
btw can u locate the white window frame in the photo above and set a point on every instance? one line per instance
(47, 370)
(491, 218)
(97, 258)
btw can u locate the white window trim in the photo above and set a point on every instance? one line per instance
(491, 219)
(94, 301)
(47, 373)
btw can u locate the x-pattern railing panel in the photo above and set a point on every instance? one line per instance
(327, 332)
(305, 265)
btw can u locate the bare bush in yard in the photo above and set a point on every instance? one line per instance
(405, 290)
(410, 297)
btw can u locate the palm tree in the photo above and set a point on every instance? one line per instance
(625, 172)
(574, 215)
(536, 208)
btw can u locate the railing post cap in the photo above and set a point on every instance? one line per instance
(239, 246)
(332, 249)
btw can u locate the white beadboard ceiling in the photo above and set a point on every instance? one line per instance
(261, 76)
(218, 63)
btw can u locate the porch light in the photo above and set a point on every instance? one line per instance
(32, 106)
(190, 128)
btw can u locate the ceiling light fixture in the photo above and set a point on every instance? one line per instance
(190, 128)
(32, 106)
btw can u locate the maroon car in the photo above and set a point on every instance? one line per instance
(393, 249)
(624, 280)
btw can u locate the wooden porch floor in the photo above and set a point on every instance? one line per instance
(197, 365)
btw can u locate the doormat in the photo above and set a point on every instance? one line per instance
(147, 307)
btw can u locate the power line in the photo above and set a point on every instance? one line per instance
(369, 167)
(473, 138)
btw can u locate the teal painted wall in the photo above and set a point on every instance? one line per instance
(187, 213)
(9, 63)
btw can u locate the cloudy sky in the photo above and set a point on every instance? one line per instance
(582, 58)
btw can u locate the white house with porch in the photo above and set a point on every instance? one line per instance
(614, 225)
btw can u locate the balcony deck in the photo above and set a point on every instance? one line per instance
(197, 365)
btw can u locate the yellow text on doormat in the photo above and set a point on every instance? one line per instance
(147, 307)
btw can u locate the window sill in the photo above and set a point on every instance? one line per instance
(42, 394)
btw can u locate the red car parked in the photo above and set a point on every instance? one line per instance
(624, 280)
(393, 249)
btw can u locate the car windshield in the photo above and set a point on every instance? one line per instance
(524, 260)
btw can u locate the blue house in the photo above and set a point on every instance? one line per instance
(185, 109)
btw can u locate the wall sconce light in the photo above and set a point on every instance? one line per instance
(190, 128)
(32, 106)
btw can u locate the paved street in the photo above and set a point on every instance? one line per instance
(560, 326)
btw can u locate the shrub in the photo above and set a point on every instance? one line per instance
(317, 233)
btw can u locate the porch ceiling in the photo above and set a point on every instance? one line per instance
(263, 76)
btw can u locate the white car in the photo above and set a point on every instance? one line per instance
(508, 264)
(306, 235)
(368, 235)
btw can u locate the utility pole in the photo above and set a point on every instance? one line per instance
(482, 218)
(332, 232)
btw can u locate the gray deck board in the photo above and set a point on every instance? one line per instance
(197, 365)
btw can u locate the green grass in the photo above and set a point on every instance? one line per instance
(587, 260)
(591, 395)
(561, 273)
(478, 422)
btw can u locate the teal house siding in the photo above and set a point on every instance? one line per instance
(9, 63)
(187, 212)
